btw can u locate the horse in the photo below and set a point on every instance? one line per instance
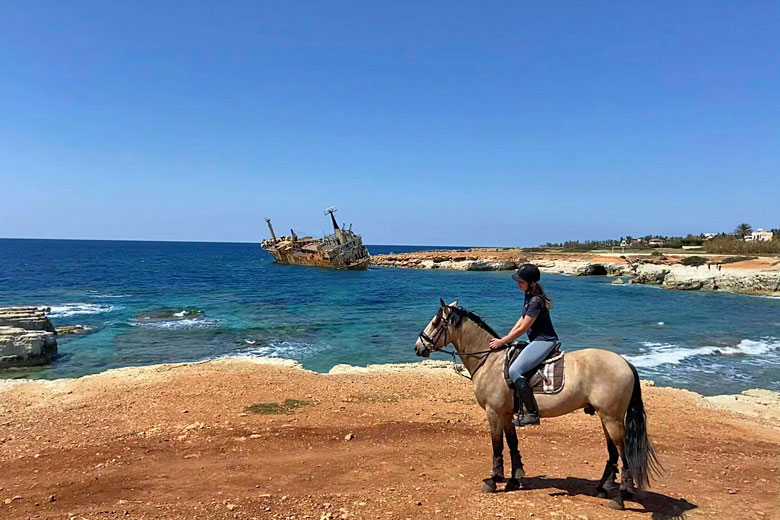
(597, 380)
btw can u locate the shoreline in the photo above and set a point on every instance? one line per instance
(758, 276)
(239, 439)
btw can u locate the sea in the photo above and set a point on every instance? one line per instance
(170, 302)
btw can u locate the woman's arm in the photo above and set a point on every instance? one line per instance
(520, 328)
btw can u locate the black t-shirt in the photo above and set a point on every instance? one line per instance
(542, 327)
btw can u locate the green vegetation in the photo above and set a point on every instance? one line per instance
(694, 260)
(735, 246)
(734, 259)
(743, 230)
(721, 243)
(276, 408)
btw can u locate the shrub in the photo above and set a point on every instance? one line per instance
(733, 259)
(694, 260)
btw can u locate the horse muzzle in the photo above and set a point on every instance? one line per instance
(421, 349)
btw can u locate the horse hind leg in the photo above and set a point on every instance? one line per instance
(607, 481)
(617, 434)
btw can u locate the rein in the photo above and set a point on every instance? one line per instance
(443, 330)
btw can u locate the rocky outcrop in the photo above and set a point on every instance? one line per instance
(29, 318)
(27, 337)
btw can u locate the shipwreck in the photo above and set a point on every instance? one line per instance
(343, 249)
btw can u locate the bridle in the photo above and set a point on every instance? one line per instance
(430, 343)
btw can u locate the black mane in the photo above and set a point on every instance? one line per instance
(458, 313)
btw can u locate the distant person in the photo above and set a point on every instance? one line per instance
(535, 320)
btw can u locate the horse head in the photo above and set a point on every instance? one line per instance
(434, 336)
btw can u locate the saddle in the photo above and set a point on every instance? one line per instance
(545, 378)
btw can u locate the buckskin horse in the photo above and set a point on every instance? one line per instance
(596, 380)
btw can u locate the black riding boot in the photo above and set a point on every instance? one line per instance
(525, 395)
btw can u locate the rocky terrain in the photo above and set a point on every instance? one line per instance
(757, 276)
(27, 337)
(233, 439)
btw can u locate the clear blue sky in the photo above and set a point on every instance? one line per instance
(457, 123)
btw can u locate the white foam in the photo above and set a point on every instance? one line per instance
(278, 349)
(180, 314)
(77, 309)
(178, 324)
(661, 323)
(667, 353)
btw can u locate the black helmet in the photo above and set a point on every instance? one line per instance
(527, 273)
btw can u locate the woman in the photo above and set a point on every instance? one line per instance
(536, 322)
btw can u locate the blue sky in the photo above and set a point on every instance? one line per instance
(457, 123)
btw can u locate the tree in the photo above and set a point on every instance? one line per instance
(743, 230)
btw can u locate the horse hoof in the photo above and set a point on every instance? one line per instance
(512, 485)
(614, 504)
(489, 486)
(600, 493)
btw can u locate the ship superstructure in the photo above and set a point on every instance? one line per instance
(343, 249)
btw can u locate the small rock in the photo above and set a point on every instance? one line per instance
(231, 507)
(349, 436)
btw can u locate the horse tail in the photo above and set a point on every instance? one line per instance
(640, 453)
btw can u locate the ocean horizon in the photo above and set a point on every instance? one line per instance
(150, 302)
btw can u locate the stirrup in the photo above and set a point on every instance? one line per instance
(526, 419)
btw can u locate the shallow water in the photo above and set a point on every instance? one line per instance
(157, 302)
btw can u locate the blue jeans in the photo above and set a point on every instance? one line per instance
(531, 355)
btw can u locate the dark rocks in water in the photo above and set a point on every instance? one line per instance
(169, 313)
(73, 329)
(27, 337)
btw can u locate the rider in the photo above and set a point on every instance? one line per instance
(536, 321)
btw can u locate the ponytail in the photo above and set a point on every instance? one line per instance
(536, 289)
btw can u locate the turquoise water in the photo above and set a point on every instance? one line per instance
(158, 302)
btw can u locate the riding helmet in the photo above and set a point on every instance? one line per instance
(527, 273)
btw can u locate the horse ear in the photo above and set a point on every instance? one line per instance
(453, 304)
(441, 301)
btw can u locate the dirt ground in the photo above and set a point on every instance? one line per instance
(173, 442)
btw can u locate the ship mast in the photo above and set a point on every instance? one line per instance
(336, 229)
(271, 228)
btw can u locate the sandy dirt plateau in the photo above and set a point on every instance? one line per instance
(238, 439)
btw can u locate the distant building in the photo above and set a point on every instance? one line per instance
(709, 236)
(656, 242)
(759, 236)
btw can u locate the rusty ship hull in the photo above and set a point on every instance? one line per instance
(341, 250)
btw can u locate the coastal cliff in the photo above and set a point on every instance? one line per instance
(753, 277)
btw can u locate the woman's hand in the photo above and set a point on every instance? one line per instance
(496, 343)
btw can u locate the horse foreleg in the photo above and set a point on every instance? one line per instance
(517, 462)
(497, 440)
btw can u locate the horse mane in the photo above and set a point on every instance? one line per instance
(459, 313)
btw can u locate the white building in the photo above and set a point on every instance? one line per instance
(759, 236)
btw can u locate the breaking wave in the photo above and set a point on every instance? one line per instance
(178, 324)
(77, 309)
(277, 349)
(667, 353)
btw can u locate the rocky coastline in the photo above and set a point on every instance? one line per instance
(752, 277)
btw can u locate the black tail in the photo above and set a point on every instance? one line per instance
(640, 454)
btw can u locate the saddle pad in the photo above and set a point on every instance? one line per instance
(553, 379)
(551, 368)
